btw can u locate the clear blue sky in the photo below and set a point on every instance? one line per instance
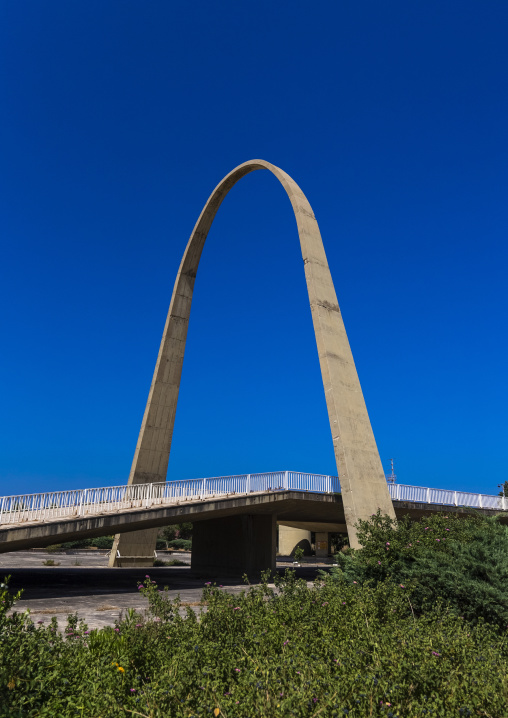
(119, 118)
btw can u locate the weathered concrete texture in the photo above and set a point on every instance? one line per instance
(359, 467)
(290, 539)
(141, 545)
(234, 546)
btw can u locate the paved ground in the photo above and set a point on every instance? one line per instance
(84, 584)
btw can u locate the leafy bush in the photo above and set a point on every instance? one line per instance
(82, 543)
(299, 554)
(504, 489)
(335, 649)
(103, 542)
(461, 561)
(182, 544)
(176, 531)
(54, 548)
(171, 562)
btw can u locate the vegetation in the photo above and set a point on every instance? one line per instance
(504, 489)
(463, 561)
(359, 642)
(177, 531)
(176, 536)
(299, 554)
(180, 544)
(171, 562)
(101, 542)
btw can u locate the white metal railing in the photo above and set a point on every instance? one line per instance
(445, 497)
(85, 502)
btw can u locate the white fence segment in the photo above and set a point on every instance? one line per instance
(111, 499)
(445, 497)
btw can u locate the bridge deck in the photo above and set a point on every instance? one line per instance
(41, 519)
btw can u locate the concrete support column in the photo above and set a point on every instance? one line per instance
(136, 548)
(322, 544)
(234, 545)
(290, 539)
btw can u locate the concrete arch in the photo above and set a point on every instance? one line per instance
(363, 484)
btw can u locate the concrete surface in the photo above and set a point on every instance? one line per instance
(291, 538)
(361, 474)
(98, 593)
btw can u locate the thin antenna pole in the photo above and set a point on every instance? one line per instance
(391, 478)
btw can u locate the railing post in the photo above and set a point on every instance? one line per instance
(203, 488)
(286, 480)
(480, 500)
(83, 503)
(247, 487)
(428, 496)
(1, 509)
(455, 498)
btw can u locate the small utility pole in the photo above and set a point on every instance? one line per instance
(391, 478)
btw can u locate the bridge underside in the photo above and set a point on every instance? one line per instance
(233, 534)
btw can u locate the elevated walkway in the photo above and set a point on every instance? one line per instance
(289, 498)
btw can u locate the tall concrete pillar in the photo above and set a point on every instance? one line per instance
(234, 545)
(361, 474)
(290, 539)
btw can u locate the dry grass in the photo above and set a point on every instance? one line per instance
(54, 611)
(194, 603)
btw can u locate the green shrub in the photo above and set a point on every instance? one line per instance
(54, 548)
(335, 649)
(460, 561)
(82, 543)
(182, 544)
(104, 542)
(176, 531)
(7, 600)
(171, 562)
(299, 554)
